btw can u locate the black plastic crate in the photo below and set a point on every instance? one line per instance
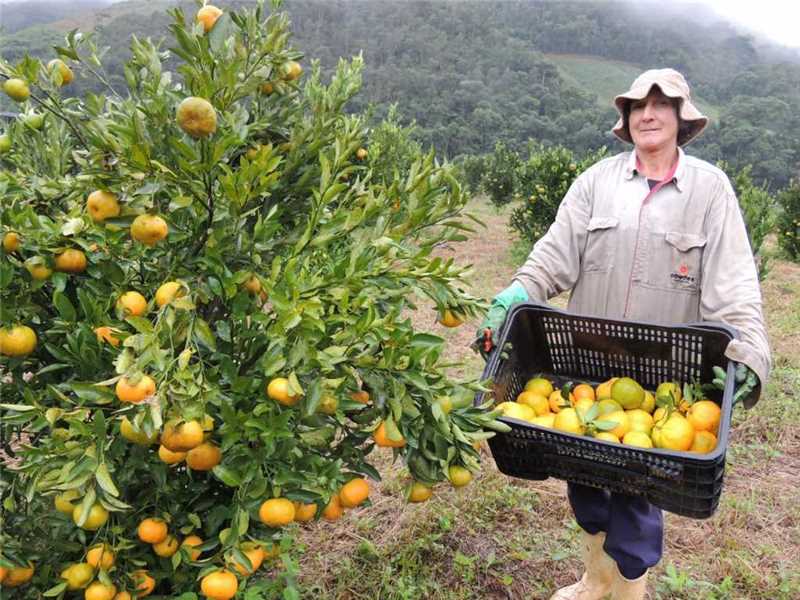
(541, 340)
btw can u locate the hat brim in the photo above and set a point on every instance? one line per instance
(688, 112)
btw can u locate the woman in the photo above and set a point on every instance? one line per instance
(649, 235)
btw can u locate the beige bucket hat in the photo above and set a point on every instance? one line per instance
(673, 85)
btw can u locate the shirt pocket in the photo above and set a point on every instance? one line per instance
(598, 255)
(676, 259)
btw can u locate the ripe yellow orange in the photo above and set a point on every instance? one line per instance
(547, 420)
(167, 547)
(459, 476)
(102, 205)
(106, 334)
(450, 319)
(78, 575)
(267, 88)
(207, 16)
(361, 153)
(659, 414)
(539, 385)
(304, 512)
(3, 573)
(382, 439)
(181, 436)
(19, 340)
(253, 285)
(197, 117)
(670, 390)
(70, 260)
(640, 420)
(168, 456)
(568, 420)
(333, 510)
(98, 516)
(637, 438)
(101, 556)
(38, 268)
(603, 390)
(18, 576)
(190, 541)
(278, 389)
(11, 241)
(276, 512)
(63, 69)
(123, 596)
(649, 402)
(704, 442)
(292, 70)
(98, 590)
(537, 402)
(129, 390)
(557, 401)
(204, 457)
(152, 530)
(676, 433)
(144, 583)
(354, 492)
(704, 415)
(168, 291)
(607, 436)
(17, 89)
(419, 492)
(131, 304)
(149, 229)
(65, 502)
(255, 554)
(583, 405)
(627, 392)
(219, 585)
(620, 417)
(361, 396)
(583, 390)
(607, 405)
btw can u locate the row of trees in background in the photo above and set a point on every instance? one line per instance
(471, 74)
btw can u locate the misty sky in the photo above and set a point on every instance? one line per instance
(777, 19)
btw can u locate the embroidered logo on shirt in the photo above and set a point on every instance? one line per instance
(682, 275)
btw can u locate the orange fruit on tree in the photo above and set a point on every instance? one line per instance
(106, 334)
(328, 404)
(101, 556)
(361, 396)
(450, 319)
(207, 16)
(131, 304)
(361, 153)
(292, 70)
(197, 117)
(63, 69)
(123, 596)
(70, 260)
(278, 389)
(253, 285)
(304, 512)
(98, 590)
(675, 433)
(219, 585)
(536, 401)
(3, 573)
(267, 88)
(37, 268)
(17, 576)
(98, 516)
(190, 541)
(704, 415)
(333, 510)
(152, 530)
(167, 547)
(276, 512)
(704, 442)
(168, 456)
(168, 291)
(382, 439)
(149, 229)
(204, 457)
(627, 392)
(133, 390)
(255, 554)
(419, 492)
(19, 340)
(11, 241)
(64, 502)
(459, 476)
(78, 575)
(102, 205)
(145, 584)
(583, 390)
(17, 89)
(181, 436)
(354, 492)
(603, 390)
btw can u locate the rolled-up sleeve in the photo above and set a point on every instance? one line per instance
(553, 265)
(730, 289)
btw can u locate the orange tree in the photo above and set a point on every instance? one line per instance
(204, 325)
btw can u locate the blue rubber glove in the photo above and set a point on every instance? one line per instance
(746, 381)
(496, 316)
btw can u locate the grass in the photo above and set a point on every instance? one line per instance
(509, 538)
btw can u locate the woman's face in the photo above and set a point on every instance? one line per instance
(653, 121)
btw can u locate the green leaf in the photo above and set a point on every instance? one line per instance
(103, 477)
(64, 306)
(227, 476)
(203, 334)
(56, 590)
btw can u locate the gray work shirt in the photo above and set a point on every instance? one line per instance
(682, 256)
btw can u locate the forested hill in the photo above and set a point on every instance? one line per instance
(472, 73)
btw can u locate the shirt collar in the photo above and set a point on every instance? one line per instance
(630, 168)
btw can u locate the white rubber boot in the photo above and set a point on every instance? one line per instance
(599, 575)
(628, 589)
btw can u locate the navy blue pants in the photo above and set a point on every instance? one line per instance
(634, 528)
